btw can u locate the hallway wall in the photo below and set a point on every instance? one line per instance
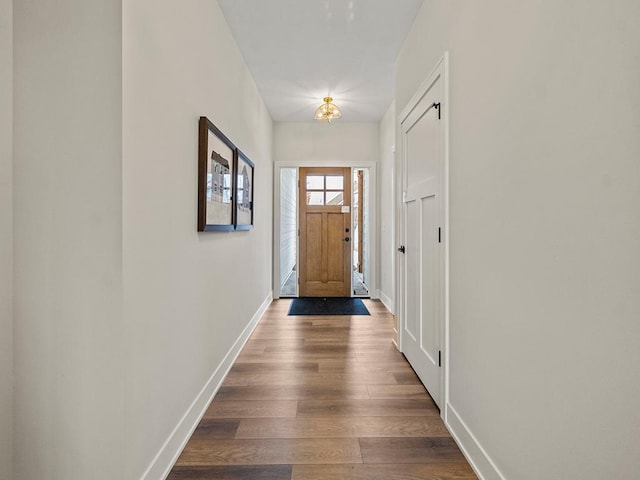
(6, 239)
(188, 296)
(320, 143)
(68, 240)
(545, 228)
(124, 316)
(387, 201)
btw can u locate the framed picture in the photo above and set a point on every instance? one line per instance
(216, 161)
(243, 188)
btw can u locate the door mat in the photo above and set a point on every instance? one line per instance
(327, 306)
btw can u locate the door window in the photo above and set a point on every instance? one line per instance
(325, 190)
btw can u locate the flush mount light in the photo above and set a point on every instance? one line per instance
(328, 111)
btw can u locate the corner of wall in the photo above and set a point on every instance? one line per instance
(6, 239)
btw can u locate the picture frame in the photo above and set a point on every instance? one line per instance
(216, 178)
(243, 191)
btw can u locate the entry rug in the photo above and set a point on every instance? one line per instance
(327, 306)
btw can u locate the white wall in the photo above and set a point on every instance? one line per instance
(67, 240)
(288, 222)
(545, 228)
(387, 205)
(187, 296)
(6, 240)
(321, 143)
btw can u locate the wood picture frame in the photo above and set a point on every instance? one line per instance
(243, 192)
(216, 178)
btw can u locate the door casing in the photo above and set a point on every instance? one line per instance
(373, 205)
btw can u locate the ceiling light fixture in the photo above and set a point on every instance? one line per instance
(328, 111)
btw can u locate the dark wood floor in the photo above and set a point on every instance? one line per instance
(322, 398)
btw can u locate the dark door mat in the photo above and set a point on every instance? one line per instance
(327, 306)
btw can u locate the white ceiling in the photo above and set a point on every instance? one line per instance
(300, 51)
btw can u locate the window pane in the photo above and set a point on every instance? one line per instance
(335, 198)
(335, 182)
(315, 182)
(315, 198)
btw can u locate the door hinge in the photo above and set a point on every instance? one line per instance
(298, 232)
(298, 183)
(439, 358)
(439, 235)
(437, 107)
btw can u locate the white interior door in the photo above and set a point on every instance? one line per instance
(423, 206)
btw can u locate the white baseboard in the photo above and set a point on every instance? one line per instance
(386, 301)
(471, 448)
(169, 452)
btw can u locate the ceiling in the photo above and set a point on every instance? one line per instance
(300, 51)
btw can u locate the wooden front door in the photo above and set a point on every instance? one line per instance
(325, 234)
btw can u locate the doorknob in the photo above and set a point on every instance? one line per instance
(346, 239)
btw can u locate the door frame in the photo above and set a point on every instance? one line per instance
(441, 70)
(373, 214)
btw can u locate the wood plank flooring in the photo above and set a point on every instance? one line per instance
(322, 398)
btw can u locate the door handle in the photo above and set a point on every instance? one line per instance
(346, 239)
(401, 249)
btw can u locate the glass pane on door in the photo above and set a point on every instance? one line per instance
(315, 198)
(335, 182)
(335, 198)
(315, 182)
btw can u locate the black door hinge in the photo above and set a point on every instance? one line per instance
(437, 107)
(439, 235)
(439, 358)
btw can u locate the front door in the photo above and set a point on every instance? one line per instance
(422, 219)
(325, 235)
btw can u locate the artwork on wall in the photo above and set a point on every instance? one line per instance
(216, 162)
(243, 192)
